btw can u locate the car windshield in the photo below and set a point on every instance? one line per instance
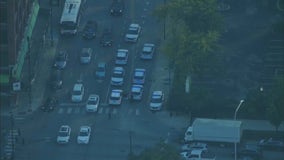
(83, 133)
(138, 77)
(146, 52)
(133, 31)
(121, 58)
(93, 102)
(68, 25)
(63, 134)
(101, 69)
(117, 74)
(60, 58)
(114, 98)
(76, 93)
(85, 54)
(156, 100)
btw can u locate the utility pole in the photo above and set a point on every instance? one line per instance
(29, 74)
(51, 27)
(130, 143)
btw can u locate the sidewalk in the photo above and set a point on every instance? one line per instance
(41, 56)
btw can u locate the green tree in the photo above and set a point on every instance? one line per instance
(159, 152)
(275, 109)
(193, 30)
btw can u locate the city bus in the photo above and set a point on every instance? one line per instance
(70, 18)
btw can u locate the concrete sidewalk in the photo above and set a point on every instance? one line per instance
(41, 57)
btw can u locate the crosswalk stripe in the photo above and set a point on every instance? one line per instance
(60, 111)
(100, 110)
(77, 110)
(137, 112)
(130, 111)
(69, 110)
(114, 111)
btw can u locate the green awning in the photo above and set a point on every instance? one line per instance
(17, 70)
(4, 79)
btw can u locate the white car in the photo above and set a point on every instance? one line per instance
(139, 76)
(92, 103)
(121, 57)
(115, 97)
(157, 100)
(64, 134)
(117, 77)
(78, 92)
(195, 146)
(84, 135)
(148, 51)
(133, 33)
(136, 92)
(86, 55)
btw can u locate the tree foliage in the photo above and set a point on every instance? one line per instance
(159, 152)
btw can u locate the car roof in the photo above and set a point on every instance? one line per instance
(139, 72)
(77, 87)
(118, 68)
(157, 93)
(147, 48)
(84, 128)
(116, 93)
(121, 54)
(86, 50)
(93, 97)
(101, 64)
(64, 128)
(136, 88)
(134, 25)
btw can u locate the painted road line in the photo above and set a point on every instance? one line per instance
(100, 111)
(69, 110)
(60, 111)
(137, 112)
(77, 110)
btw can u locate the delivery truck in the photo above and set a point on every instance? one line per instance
(214, 130)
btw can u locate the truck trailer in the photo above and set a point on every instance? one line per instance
(214, 130)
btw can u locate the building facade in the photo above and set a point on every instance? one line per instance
(17, 19)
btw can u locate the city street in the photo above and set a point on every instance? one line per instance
(116, 130)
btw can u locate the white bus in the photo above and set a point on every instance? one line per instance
(70, 18)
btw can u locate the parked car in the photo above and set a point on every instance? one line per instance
(93, 103)
(133, 33)
(107, 37)
(121, 57)
(139, 76)
(195, 146)
(101, 70)
(78, 92)
(117, 7)
(84, 135)
(86, 55)
(117, 78)
(272, 144)
(249, 151)
(136, 92)
(147, 51)
(61, 60)
(157, 100)
(64, 134)
(90, 29)
(49, 104)
(115, 97)
(56, 79)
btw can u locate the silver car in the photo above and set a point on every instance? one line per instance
(86, 55)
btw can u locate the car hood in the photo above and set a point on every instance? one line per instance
(82, 138)
(155, 104)
(59, 138)
(91, 106)
(116, 79)
(100, 74)
(131, 35)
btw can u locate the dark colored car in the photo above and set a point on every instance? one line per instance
(117, 7)
(90, 29)
(272, 144)
(61, 60)
(49, 104)
(107, 37)
(101, 70)
(56, 79)
(253, 152)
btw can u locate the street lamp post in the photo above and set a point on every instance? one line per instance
(29, 74)
(235, 118)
